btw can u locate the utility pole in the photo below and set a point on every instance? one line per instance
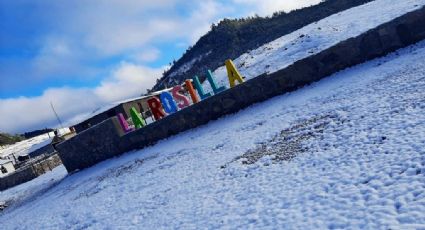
(56, 114)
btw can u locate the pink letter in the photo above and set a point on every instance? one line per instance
(124, 123)
(183, 101)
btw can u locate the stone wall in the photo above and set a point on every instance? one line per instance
(105, 140)
(46, 165)
(91, 146)
(30, 172)
(48, 149)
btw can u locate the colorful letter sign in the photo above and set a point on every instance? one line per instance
(213, 84)
(156, 108)
(232, 73)
(138, 121)
(182, 100)
(168, 102)
(124, 124)
(175, 99)
(191, 90)
(199, 88)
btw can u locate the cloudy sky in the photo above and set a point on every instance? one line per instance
(83, 54)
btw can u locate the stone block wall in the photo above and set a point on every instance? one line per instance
(29, 172)
(46, 165)
(91, 146)
(48, 149)
(105, 140)
(18, 177)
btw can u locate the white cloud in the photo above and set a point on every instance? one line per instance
(200, 20)
(268, 7)
(127, 81)
(55, 56)
(24, 113)
(114, 27)
(147, 55)
(117, 27)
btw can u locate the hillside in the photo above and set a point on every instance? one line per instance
(7, 139)
(26, 146)
(231, 38)
(314, 38)
(35, 133)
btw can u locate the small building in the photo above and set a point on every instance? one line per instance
(140, 103)
(6, 167)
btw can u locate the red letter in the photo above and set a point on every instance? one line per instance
(182, 100)
(156, 108)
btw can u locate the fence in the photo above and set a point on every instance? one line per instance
(32, 169)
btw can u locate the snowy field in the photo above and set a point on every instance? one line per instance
(316, 37)
(362, 165)
(26, 146)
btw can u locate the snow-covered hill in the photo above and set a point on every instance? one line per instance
(26, 146)
(356, 142)
(316, 37)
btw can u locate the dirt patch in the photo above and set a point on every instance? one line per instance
(289, 142)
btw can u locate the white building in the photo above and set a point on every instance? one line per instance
(6, 167)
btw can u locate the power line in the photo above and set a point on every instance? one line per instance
(56, 114)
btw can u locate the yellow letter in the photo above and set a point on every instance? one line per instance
(233, 73)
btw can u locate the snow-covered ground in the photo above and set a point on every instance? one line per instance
(26, 146)
(360, 165)
(24, 193)
(316, 37)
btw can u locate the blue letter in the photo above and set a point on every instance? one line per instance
(168, 102)
(213, 84)
(199, 88)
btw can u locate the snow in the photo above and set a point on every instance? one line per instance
(186, 66)
(26, 146)
(25, 192)
(358, 160)
(315, 38)
(364, 169)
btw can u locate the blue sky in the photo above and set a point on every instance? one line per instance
(84, 54)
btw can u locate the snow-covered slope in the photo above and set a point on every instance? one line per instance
(26, 146)
(356, 142)
(316, 37)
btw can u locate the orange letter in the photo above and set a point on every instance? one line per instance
(191, 91)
